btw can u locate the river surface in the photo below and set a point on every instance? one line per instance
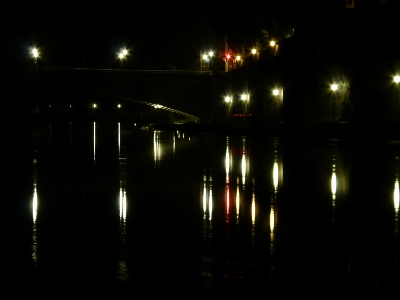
(99, 208)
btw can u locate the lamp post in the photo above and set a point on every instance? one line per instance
(397, 80)
(207, 58)
(238, 60)
(334, 87)
(122, 54)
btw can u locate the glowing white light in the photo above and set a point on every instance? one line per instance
(253, 209)
(396, 195)
(94, 105)
(272, 43)
(397, 79)
(275, 175)
(204, 199)
(119, 138)
(333, 185)
(237, 202)
(35, 53)
(244, 97)
(210, 53)
(205, 56)
(227, 203)
(122, 204)
(124, 52)
(121, 55)
(238, 57)
(157, 148)
(244, 167)
(227, 99)
(210, 204)
(276, 92)
(334, 87)
(227, 161)
(119, 105)
(253, 51)
(34, 203)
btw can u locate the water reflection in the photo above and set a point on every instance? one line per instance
(34, 217)
(277, 180)
(119, 138)
(333, 189)
(156, 149)
(122, 270)
(396, 194)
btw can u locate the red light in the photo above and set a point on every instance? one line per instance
(228, 56)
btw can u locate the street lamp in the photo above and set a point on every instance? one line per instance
(119, 105)
(275, 92)
(207, 58)
(94, 105)
(334, 88)
(244, 97)
(272, 43)
(254, 51)
(228, 99)
(35, 53)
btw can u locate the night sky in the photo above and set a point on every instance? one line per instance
(163, 34)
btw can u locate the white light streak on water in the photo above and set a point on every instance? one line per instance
(119, 138)
(275, 175)
(396, 195)
(333, 185)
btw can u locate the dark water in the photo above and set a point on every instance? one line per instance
(97, 208)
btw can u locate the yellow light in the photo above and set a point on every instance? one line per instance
(227, 99)
(275, 92)
(35, 53)
(124, 52)
(272, 43)
(272, 219)
(397, 78)
(94, 105)
(253, 51)
(238, 57)
(334, 87)
(210, 53)
(119, 105)
(243, 97)
(205, 56)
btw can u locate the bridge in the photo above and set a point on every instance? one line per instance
(170, 96)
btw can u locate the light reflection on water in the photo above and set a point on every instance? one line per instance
(34, 215)
(245, 211)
